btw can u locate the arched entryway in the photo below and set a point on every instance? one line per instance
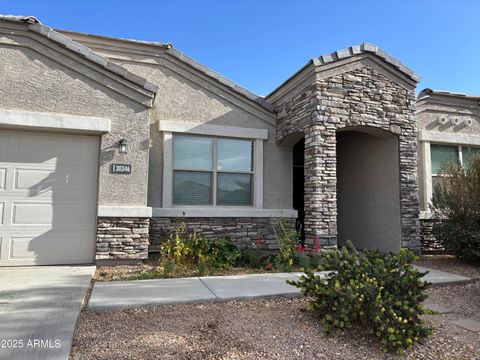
(368, 188)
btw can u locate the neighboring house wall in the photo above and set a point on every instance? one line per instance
(42, 80)
(451, 120)
(189, 98)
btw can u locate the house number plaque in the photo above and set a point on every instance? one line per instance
(121, 169)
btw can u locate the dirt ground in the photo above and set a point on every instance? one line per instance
(266, 329)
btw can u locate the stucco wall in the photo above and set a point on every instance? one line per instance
(39, 76)
(449, 117)
(187, 95)
(368, 191)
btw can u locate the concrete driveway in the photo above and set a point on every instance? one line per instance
(39, 308)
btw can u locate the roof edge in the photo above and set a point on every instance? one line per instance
(364, 48)
(171, 51)
(428, 92)
(259, 100)
(36, 26)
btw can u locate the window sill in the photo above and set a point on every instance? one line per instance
(223, 212)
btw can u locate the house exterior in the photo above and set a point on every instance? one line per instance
(448, 130)
(106, 145)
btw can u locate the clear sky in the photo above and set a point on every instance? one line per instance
(260, 43)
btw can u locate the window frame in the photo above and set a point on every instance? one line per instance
(459, 153)
(428, 138)
(214, 171)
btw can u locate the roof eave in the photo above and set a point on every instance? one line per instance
(34, 25)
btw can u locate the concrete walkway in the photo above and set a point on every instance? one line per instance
(39, 309)
(130, 294)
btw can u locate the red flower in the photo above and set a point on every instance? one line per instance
(269, 266)
(317, 244)
(258, 241)
(300, 249)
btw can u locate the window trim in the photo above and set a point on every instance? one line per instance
(428, 138)
(221, 132)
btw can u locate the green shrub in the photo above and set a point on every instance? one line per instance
(456, 201)
(192, 249)
(169, 267)
(288, 238)
(303, 260)
(251, 256)
(381, 292)
(222, 252)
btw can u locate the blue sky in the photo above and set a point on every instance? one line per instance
(260, 43)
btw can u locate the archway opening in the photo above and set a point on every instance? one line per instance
(368, 189)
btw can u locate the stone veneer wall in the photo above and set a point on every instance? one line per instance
(361, 97)
(242, 231)
(122, 239)
(428, 240)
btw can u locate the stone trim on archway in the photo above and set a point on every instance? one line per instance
(360, 97)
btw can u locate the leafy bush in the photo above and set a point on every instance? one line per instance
(288, 238)
(251, 256)
(381, 292)
(456, 201)
(193, 249)
(222, 252)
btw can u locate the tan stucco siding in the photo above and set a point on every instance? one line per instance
(444, 119)
(42, 78)
(186, 97)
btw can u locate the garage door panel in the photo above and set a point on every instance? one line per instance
(3, 178)
(3, 146)
(53, 215)
(20, 248)
(48, 198)
(46, 181)
(64, 150)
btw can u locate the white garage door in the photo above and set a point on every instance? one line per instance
(48, 197)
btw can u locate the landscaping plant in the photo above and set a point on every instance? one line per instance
(456, 203)
(183, 249)
(288, 238)
(382, 292)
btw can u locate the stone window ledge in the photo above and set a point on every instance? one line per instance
(124, 211)
(223, 212)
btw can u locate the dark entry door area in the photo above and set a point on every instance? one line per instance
(298, 183)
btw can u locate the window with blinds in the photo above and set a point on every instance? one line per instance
(442, 155)
(468, 154)
(212, 171)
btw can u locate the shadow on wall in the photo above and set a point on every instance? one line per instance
(368, 189)
(53, 198)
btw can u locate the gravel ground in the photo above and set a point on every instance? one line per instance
(464, 300)
(268, 328)
(250, 329)
(450, 263)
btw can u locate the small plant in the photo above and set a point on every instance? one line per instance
(456, 203)
(288, 239)
(251, 256)
(222, 252)
(381, 292)
(169, 268)
(201, 269)
(303, 260)
(192, 249)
